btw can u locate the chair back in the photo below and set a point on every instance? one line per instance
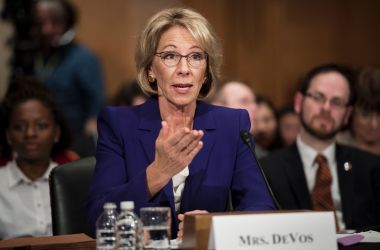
(68, 188)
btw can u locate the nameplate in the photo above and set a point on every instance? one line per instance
(285, 231)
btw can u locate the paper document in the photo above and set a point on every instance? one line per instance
(362, 237)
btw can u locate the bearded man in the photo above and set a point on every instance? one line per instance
(317, 173)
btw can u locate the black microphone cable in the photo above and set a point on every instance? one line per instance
(247, 140)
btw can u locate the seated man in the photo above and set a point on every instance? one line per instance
(315, 172)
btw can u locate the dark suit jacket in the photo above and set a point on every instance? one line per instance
(126, 146)
(359, 187)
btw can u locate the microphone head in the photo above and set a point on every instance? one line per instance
(246, 136)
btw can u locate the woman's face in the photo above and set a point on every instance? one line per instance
(366, 126)
(32, 131)
(265, 126)
(180, 84)
(289, 125)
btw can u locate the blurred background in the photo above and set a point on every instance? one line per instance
(269, 44)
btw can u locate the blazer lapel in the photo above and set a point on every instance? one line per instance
(150, 126)
(203, 120)
(345, 178)
(297, 179)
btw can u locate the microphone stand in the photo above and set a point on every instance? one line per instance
(247, 140)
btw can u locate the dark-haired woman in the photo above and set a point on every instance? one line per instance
(35, 131)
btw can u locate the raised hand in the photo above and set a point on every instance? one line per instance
(175, 149)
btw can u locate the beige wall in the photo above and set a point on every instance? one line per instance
(269, 43)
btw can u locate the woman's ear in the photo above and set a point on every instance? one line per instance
(151, 72)
(151, 75)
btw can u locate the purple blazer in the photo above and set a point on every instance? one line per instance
(126, 146)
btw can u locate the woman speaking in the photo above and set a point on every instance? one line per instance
(175, 150)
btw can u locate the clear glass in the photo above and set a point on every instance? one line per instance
(156, 227)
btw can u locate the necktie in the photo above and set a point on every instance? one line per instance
(321, 194)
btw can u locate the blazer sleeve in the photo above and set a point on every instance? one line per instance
(111, 182)
(249, 190)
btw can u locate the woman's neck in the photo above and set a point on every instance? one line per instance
(177, 116)
(33, 169)
(370, 147)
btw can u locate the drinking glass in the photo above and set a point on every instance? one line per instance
(156, 226)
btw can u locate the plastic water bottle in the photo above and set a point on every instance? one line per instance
(128, 228)
(105, 228)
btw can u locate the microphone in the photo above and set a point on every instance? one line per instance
(247, 140)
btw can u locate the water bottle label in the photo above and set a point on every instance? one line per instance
(105, 239)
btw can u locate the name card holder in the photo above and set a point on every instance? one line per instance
(285, 230)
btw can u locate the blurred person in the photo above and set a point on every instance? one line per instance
(175, 150)
(69, 69)
(130, 94)
(238, 95)
(317, 173)
(364, 129)
(35, 135)
(265, 127)
(289, 125)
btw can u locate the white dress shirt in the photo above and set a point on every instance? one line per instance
(178, 186)
(308, 155)
(24, 204)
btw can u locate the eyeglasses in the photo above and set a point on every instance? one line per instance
(321, 100)
(194, 59)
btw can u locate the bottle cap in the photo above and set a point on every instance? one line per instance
(124, 205)
(109, 205)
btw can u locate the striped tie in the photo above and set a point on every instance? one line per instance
(321, 194)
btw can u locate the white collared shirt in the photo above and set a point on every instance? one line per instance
(178, 186)
(308, 155)
(24, 204)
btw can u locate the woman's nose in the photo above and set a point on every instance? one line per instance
(183, 66)
(30, 131)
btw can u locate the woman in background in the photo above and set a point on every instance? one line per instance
(266, 131)
(35, 132)
(364, 130)
(289, 125)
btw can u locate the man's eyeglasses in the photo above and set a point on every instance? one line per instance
(194, 59)
(321, 100)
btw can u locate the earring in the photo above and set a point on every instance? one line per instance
(151, 79)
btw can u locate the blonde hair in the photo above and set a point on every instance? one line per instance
(201, 30)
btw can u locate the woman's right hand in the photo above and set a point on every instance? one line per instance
(175, 149)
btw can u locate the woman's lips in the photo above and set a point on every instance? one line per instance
(182, 88)
(31, 146)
